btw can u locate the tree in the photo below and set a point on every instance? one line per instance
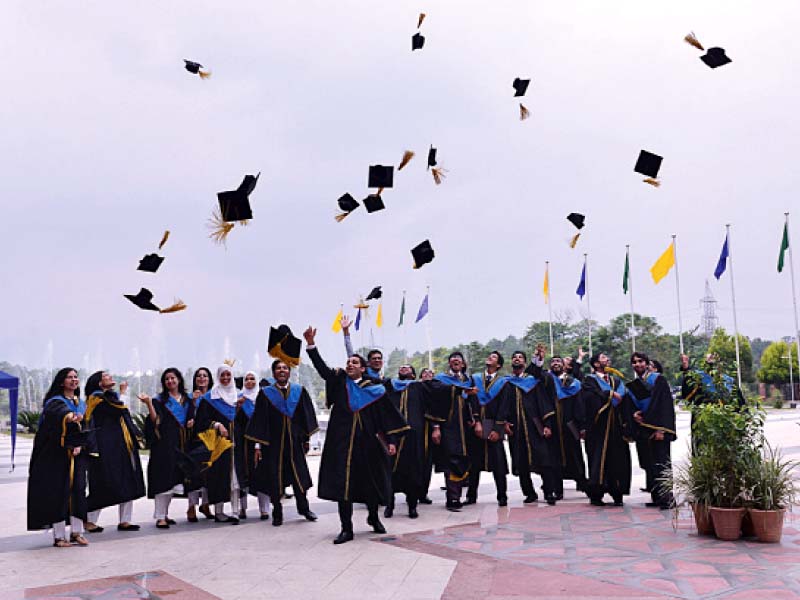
(723, 345)
(775, 363)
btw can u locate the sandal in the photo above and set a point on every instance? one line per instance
(162, 524)
(77, 538)
(171, 521)
(191, 515)
(61, 543)
(206, 510)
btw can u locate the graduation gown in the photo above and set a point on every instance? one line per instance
(355, 466)
(658, 410)
(529, 409)
(56, 484)
(606, 432)
(411, 466)
(282, 422)
(569, 421)
(242, 447)
(488, 404)
(167, 438)
(115, 476)
(452, 411)
(218, 474)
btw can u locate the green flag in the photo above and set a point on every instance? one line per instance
(402, 310)
(625, 275)
(784, 246)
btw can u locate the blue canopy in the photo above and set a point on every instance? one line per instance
(11, 383)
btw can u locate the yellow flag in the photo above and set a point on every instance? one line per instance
(379, 316)
(664, 263)
(546, 287)
(337, 322)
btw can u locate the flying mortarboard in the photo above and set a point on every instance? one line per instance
(715, 57)
(196, 68)
(347, 204)
(283, 345)
(417, 41)
(576, 219)
(520, 86)
(648, 164)
(248, 184)
(374, 203)
(143, 299)
(150, 263)
(432, 157)
(375, 294)
(234, 206)
(380, 176)
(422, 254)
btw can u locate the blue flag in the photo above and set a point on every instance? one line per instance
(358, 319)
(581, 291)
(722, 263)
(423, 309)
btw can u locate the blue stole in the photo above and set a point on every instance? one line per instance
(175, 408)
(222, 407)
(607, 388)
(79, 408)
(526, 383)
(373, 373)
(484, 396)
(359, 397)
(287, 405)
(450, 380)
(248, 406)
(400, 385)
(649, 381)
(565, 391)
(709, 384)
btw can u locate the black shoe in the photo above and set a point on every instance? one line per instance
(470, 500)
(645, 489)
(162, 524)
(530, 499)
(128, 527)
(425, 500)
(289, 496)
(344, 536)
(651, 504)
(171, 521)
(618, 502)
(580, 487)
(226, 519)
(376, 524)
(95, 529)
(412, 513)
(559, 496)
(277, 515)
(265, 516)
(388, 512)
(502, 502)
(206, 511)
(453, 506)
(594, 502)
(551, 500)
(309, 516)
(242, 514)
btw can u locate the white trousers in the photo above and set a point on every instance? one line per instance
(196, 495)
(60, 529)
(125, 513)
(263, 503)
(162, 505)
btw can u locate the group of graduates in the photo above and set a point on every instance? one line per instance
(384, 436)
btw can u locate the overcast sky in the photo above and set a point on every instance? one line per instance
(108, 141)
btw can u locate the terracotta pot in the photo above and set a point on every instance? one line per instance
(702, 519)
(747, 526)
(727, 522)
(768, 524)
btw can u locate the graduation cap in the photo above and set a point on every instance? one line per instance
(375, 294)
(150, 263)
(380, 176)
(648, 164)
(347, 204)
(283, 345)
(576, 219)
(422, 253)
(520, 86)
(248, 184)
(235, 205)
(143, 299)
(715, 57)
(239, 382)
(417, 41)
(432, 157)
(195, 68)
(374, 203)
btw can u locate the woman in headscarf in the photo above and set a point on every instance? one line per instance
(215, 430)
(202, 381)
(56, 480)
(243, 448)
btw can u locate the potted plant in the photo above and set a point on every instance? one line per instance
(774, 489)
(691, 483)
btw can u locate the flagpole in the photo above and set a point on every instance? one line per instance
(678, 291)
(588, 304)
(794, 295)
(549, 306)
(630, 292)
(405, 342)
(428, 329)
(733, 303)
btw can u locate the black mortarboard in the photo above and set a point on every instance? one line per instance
(234, 206)
(423, 254)
(380, 176)
(283, 345)
(239, 381)
(715, 57)
(417, 41)
(192, 67)
(248, 184)
(347, 203)
(375, 294)
(648, 164)
(432, 157)
(576, 219)
(520, 86)
(150, 263)
(143, 299)
(374, 203)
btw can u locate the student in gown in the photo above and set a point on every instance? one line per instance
(486, 449)
(202, 382)
(115, 477)
(427, 375)
(451, 418)
(283, 422)
(242, 448)
(530, 422)
(364, 427)
(606, 433)
(653, 422)
(56, 489)
(166, 432)
(216, 412)
(374, 356)
(411, 466)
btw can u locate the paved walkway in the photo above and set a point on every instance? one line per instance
(571, 550)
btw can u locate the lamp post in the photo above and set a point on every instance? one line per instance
(791, 375)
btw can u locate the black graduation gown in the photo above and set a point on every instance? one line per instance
(218, 475)
(56, 489)
(659, 416)
(483, 454)
(569, 420)
(355, 466)
(282, 438)
(242, 449)
(606, 445)
(411, 466)
(528, 412)
(453, 413)
(165, 438)
(115, 476)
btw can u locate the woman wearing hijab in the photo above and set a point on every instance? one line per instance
(202, 381)
(56, 484)
(215, 429)
(242, 448)
(166, 434)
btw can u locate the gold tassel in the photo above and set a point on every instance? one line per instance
(219, 228)
(177, 306)
(438, 174)
(341, 217)
(615, 372)
(164, 239)
(204, 74)
(651, 181)
(692, 41)
(379, 192)
(524, 113)
(573, 242)
(421, 19)
(229, 361)
(215, 443)
(407, 156)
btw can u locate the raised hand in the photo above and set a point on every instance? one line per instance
(309, 335)
(345, 322)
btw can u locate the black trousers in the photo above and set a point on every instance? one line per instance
(411, 500)
(499, 482)
(346, 514)
(552, 483)
(659, 460)
(300, 499)
(645, 462)
(452, 488)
